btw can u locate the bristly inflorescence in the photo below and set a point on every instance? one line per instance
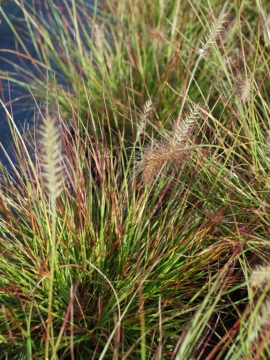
(260, 280)
(211, 38)
(260, 276)
(169, 149)
(51, 157)
(145, 115)
(243, 89)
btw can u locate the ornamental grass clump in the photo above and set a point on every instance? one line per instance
(138, 204)
(89, 264)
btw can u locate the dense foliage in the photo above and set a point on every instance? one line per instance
(135, 220)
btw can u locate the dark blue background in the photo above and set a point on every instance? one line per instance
(19, 102)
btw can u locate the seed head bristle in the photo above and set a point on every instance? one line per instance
(262, 321)
(264, 315)
(243, 89)
(154, 160)
(182, 131)
(169, 149)
(145, 115)
(51, 157)
(260, 276)
(211, 38)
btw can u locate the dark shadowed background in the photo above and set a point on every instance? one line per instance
(17, 100)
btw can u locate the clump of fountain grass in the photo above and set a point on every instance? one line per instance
(88, 55)
(146, 250)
